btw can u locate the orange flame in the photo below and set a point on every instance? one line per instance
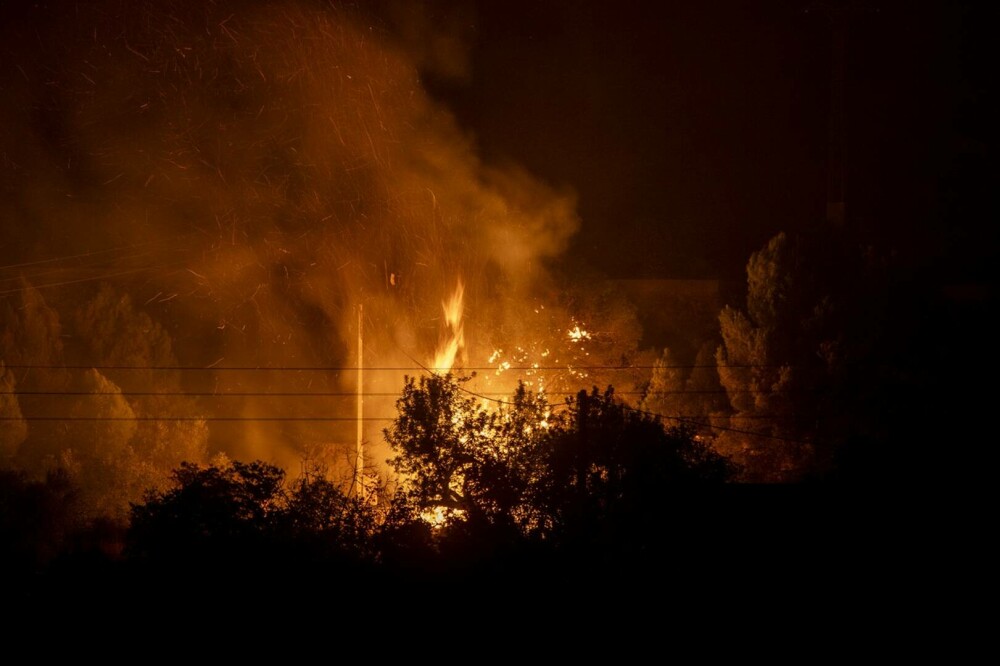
(454, 342)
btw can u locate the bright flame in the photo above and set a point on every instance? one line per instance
(438, 516)
(448, 350)
(577, 334)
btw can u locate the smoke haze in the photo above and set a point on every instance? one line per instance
(245, 174)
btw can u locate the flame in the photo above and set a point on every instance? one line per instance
(577, 334)
(439, 516)
(454, 343)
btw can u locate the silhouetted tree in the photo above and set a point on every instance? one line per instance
(37, 517)
(243, 513)
(598, 468)
(321, 518)
(814, 315)
(613, 470)
(460, 460)
(213, 511)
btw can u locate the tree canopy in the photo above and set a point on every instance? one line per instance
(799, 362)
(545, 471)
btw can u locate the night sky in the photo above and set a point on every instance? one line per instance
(691, 134)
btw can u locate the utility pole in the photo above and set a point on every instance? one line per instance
(359, 463)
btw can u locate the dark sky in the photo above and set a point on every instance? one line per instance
(692, 134)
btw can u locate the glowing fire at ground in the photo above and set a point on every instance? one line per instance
(577, 334)
(451, 351)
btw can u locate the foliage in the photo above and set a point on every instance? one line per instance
(547, 475)
(318, 511)
(13, 430)
(460, 458)
(612, 469)
(36, 519)
(813, 316)
(104, 445)
(246, 511)
(31, 330)
(115, 333)
(31, 335)
(210, 506)
(664, 394)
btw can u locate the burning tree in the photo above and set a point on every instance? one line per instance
(463, 460)
(523, 465)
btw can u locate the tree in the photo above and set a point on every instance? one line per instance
(612, 470)
(13, 428)
(706, 397)
(664, 394)
(31, 337)
(594, 469)
(461, 461)
(31, 330)
(210, 512)
(813, 315)
(693, 398)
(114, 332)
(244, 519)
(97, 447)
(326, 522)
(37, 517)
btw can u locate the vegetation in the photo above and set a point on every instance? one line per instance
(520, 489)
(803, 364)
(525, 486)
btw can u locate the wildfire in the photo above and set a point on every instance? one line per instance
(439, 516)
(540, 354)
(577, 334)
(454, 340)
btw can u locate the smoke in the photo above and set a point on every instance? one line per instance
(247, 173)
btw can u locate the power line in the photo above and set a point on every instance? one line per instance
(352, 368)
(90, 279)
(197, 418)
(419, 367)
(96, 266)
(85, 254)
(692, 421)
(354, 394)
(311, 418)
(680, 419)
(209, 394)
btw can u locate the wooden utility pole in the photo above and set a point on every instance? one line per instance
(359, 463)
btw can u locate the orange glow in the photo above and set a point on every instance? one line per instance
(454, 342)
(577, 334)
